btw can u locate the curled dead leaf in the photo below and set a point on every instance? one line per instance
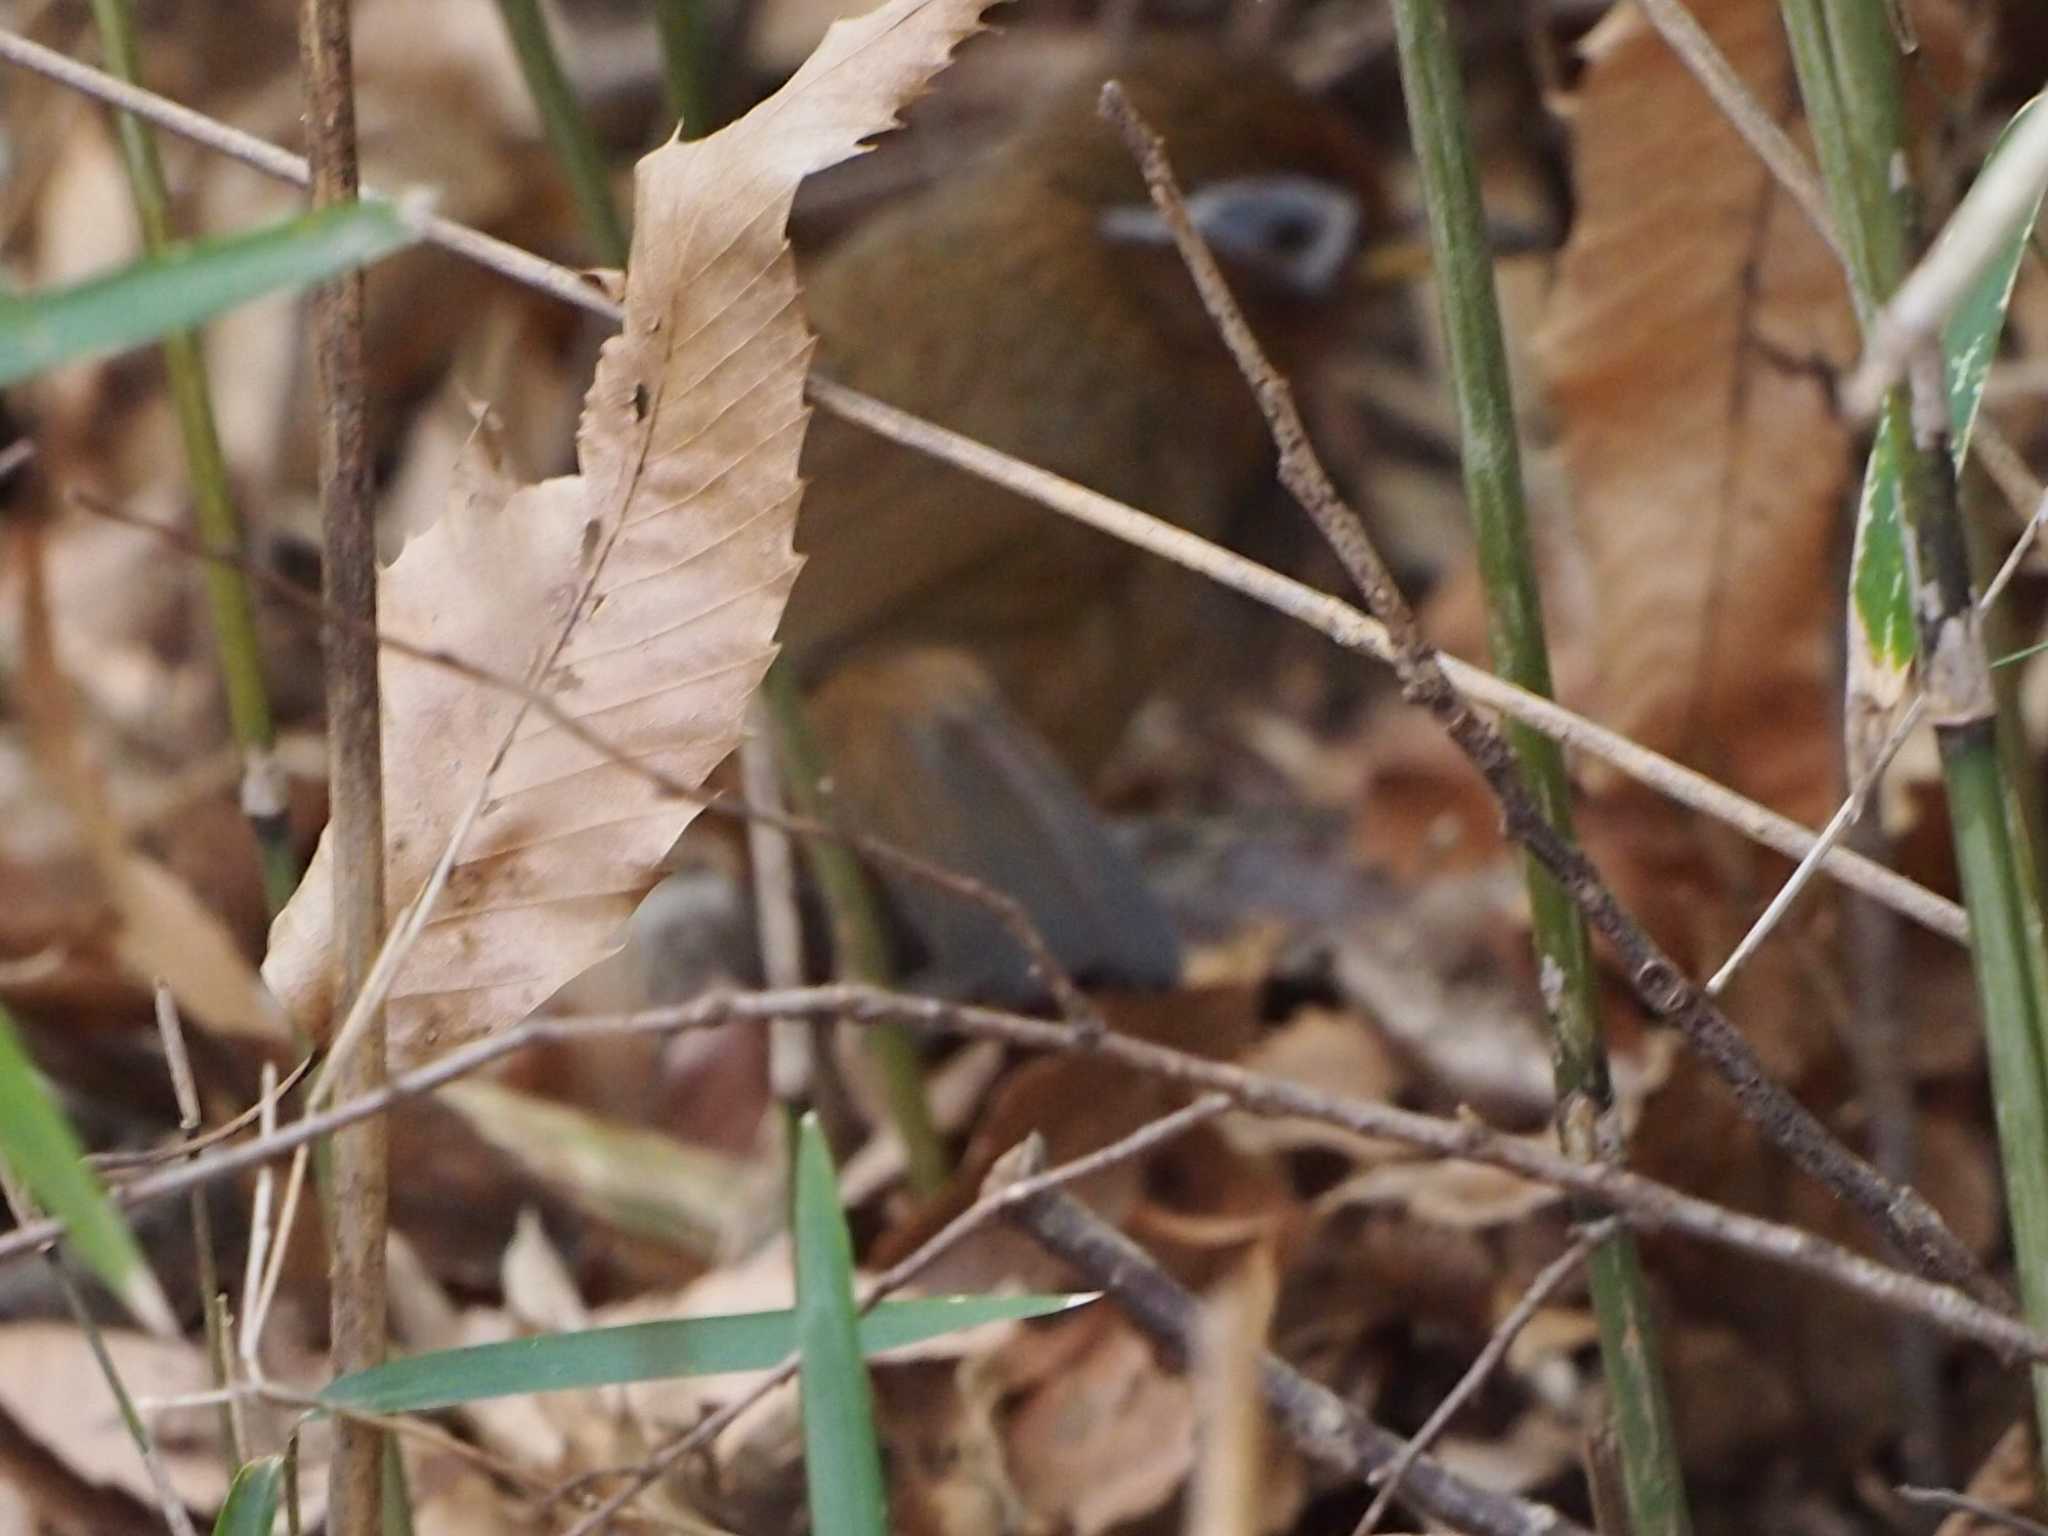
(640, 595)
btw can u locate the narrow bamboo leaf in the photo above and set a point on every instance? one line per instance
(1969, 341)
(692, 1346)
(251, 1507)
(44, 1153)
(1881, 639)
(842, 1462)
(185, 284)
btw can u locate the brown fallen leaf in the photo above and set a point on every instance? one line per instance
(1106, 1439)
(1695, 312)
(642, 593)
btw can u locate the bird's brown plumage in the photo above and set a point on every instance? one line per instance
(995, 305)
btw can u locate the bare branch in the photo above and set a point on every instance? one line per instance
(1897, 1211)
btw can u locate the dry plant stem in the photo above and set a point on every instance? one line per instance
(260, 1210)
(359, 1171)
(1323, 1427)
(1541, 1289)
(1850, 811)
(1948, 1501)
(992, 1202)
(1337, 620)
(1644, 1203)
(150, 1157)
(171, 1029)
(1587, 1125)
(220, 526)
(1899, 1214)
(771, 861)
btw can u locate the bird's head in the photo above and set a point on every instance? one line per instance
(1281, 186)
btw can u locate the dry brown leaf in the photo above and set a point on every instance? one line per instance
(1694, 312)
(55, 1395)
(162, 931)
(1109, 1438)
(644, 592)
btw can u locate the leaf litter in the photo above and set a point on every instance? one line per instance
(1392, 1272)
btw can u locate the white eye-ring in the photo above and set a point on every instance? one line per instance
(1296, 229)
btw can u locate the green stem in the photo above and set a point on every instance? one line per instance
(1493, 487)
(859, 945)
(569, 130)
(685, 48)
(220, 528)
(1848, 69)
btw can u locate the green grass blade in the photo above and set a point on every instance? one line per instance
(1881, 636)
(186, 284)
(251, 1507)
(692, 1346)
(44, 1154)
(842, 1461)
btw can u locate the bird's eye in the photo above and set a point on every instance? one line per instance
(1290, 235)
(1296, 231)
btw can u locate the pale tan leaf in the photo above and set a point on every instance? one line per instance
(644, 592)
(1695, 311)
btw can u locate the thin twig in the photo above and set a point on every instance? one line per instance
(1337, 620)
(185, 1089)
(1646, 1204)
(114, 1159)
(1850, 811)
(1321, 1424)
(778, 922)
(1962, 1504)
(1546, 1284)
(262, 1210)
(1899, 1213)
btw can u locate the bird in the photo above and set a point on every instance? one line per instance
(970, 659)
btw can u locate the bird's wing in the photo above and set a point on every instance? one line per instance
(925, 753)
